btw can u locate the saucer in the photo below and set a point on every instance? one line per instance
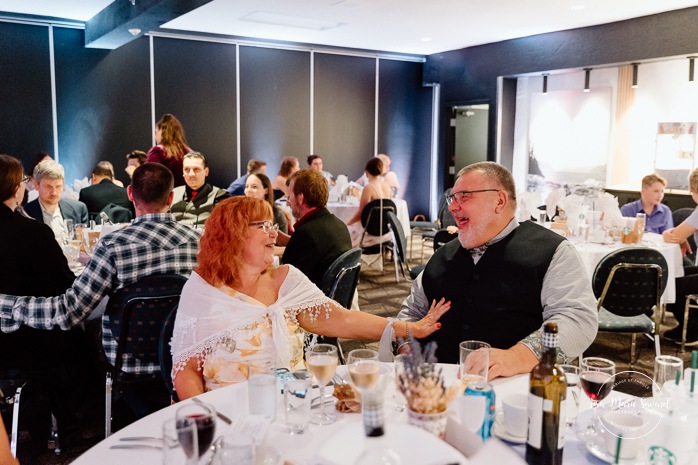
(596, 445)
(499, 431)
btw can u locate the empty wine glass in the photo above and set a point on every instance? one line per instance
(321, 360)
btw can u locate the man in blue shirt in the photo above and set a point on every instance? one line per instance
(659, 216)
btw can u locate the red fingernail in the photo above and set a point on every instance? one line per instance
(438, 325)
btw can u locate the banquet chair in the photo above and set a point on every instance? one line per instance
(339, 283)
(136, 313)
(399, 246)
(629, 284)
(442, 237)
(375, 223)
(443, 220)
(165, 354)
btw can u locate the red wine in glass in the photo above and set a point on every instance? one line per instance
(205, 431)
(596, 384)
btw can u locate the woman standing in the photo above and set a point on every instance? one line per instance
(258, 186)
(171, 147)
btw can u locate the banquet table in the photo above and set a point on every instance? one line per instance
(303, 449)
(592, 253)
(344, 211)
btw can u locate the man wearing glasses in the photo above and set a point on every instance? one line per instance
(503, 279)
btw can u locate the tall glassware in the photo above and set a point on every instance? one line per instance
(596, 379)
(321, 360)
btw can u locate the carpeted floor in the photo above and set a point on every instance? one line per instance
(381, 295)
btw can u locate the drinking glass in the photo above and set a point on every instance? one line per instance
(363, 368)
(179, 442)
(666, 368)
(595, 377)
(204, 415)
(90, 241)
(68, 230)
(262, 389)
(572, 399)
(321, 360)
(399, 363)
(474, 362)
(297, 386)
(234, 449)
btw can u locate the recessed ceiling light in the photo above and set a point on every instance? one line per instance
(425, 39)
(292, 21)
(578, 7)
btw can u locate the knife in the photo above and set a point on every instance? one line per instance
(223, 418)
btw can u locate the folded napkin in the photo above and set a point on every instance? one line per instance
(348, 400)
(553, 199)
(608, 204)
(528, 205)
(338, 189)
(572, 204)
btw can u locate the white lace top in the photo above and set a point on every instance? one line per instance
(208, 320)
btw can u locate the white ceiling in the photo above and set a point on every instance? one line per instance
(403, 26)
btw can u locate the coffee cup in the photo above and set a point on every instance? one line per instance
(627, 427)
(515, 408)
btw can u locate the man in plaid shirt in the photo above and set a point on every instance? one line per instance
(153, 244)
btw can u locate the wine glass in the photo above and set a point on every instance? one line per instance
(204, 415)
(363, 368)
(91, 238)
(595, 377)
(321, 360)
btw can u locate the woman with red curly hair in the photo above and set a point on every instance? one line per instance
(238, 307)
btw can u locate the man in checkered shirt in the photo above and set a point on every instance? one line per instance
(153, 244)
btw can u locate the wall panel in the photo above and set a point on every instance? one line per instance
(195, 81)
(274, 105)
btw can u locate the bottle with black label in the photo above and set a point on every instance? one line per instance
(546, 417)
(376, 451)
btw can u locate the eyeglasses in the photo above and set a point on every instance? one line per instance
(463, 196)
(26, 178)
(267, 226)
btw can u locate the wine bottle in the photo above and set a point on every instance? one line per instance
(546, 417)
(377, 451)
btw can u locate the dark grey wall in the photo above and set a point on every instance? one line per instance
(470, 74)
(25, 91)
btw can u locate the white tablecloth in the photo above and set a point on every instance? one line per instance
(591, 254)
(344, 211)
(232, 401)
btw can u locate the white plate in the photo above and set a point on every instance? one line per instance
(499, 431)
(411, 444)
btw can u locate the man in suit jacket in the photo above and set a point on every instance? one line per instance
(49, 208)
(103, 191)
(319, 237)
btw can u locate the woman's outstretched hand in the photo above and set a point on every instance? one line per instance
(430, 322)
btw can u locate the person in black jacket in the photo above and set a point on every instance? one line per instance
(103, 191)
(319, 237)
(53, 361)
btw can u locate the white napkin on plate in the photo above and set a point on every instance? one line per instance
(572, 204)
(553, 199)
(528, 205)
(338, 189)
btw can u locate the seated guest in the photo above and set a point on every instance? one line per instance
(259, 187)
(503, 279)
(375, 189)
(55, 362)
(153, 244)
(315, 163)
(103, 191)
(49, 208)
(237, 187)
(289, 165)
(319, 237)
(193, 203)
(659, 216)
(134, 159)
(237, 294)
(389, 177)
(30, 193)
(688, 284)
(171, 146)
(113, 176)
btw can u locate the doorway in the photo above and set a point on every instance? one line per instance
(468, 138)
